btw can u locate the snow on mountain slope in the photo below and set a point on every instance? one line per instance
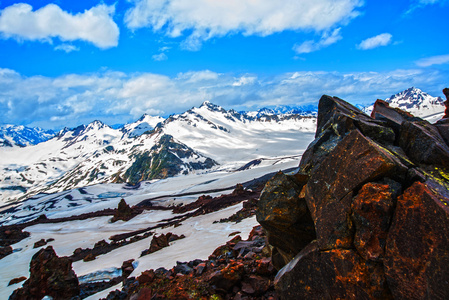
(418, 103)
(12, 135)
(144, 124)
(202, 233)
(200, 139)
(233, 139)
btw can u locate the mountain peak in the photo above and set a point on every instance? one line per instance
(416, 102)
(209, 105)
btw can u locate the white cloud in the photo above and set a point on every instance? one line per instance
(417, 4)
(67, 48)
(377, 41)
(434, 60)
(95, 25)
(160, 57)
(204, 19)
(327, 39)
(115, 97)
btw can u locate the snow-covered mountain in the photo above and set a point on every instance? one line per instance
(13, 135)
(199, 140)
(416, 102)
(144, 124)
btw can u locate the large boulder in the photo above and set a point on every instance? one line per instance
(336, 118)
(283, 211)
(50, 275)
(355, 161)
(417, 251)
(423, 144)
(333, 274)
(372, 210)
(378, 194)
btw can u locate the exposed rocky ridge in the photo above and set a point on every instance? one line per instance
(237, 270)
(375, 192)
(50, 275)
(166, 159)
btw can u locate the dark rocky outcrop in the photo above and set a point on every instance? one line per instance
(161, 241)
(237, 270)
(50, 275)
(165, 159)
(124, 212)
(376, 190)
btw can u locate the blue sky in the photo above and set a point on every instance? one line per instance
(64, 63)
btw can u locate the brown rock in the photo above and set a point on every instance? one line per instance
(4, 251)
(285, 216)
(423, 144)
(123, 212)
(394, 116)
(334, 274)
(417, 250)
(161, 241)
(336, 118)
(50, 275)
(446, 112)
(146, 277)
(40, 243)
(355, 161)
(127, 268)
(89, 257)
(11, 234)
(372, 211)
(17, 280)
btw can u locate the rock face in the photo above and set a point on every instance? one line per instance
(366, 216)
(446, 112)
(50, 275)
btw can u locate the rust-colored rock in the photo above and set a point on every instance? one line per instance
(50, 275)
(372, 210)
(285, 215)
(355, 161)
(333, 274)
(17, 280)
(392, 115)
(417, 250)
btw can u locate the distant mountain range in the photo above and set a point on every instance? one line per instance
(203, 138)
(199, 140)
(12, 135)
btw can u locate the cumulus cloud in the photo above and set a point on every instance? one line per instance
(327, 39)
(116, 97)
(383, 39)
(434, 60)
(95, 25)
(205, 19)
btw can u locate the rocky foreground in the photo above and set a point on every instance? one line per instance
(364, 217)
